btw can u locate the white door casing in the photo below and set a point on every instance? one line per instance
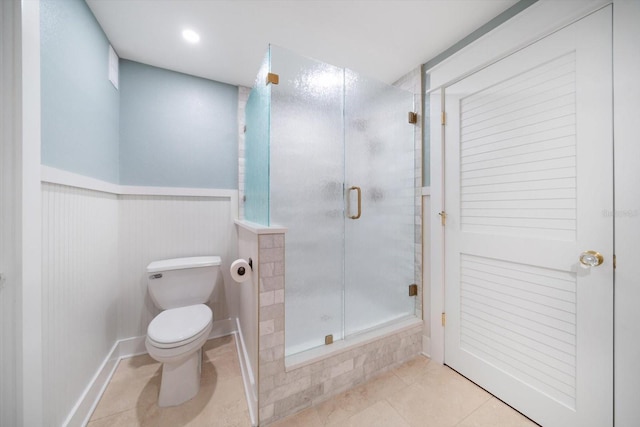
(528, 187)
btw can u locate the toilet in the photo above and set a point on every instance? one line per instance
(180, 287)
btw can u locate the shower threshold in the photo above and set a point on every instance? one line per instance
(313, 355)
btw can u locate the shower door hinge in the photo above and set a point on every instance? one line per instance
(273, 78)
(444, 319)
(413, 117)
(413, 290)
(443, 218)
(443, 118)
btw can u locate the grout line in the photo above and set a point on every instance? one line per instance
(475, 410)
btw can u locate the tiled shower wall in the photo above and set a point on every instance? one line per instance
(283, 392)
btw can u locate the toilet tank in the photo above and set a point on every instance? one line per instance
(180, 282)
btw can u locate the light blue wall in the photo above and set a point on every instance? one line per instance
(176, 130)
(79, 104)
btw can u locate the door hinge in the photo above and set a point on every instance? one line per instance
(413, 117)
(413, 290)
(443, 118)
(444, 319)
(443, 218)
(615, 262)
(273, 78)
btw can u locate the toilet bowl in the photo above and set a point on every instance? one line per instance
(175, 337)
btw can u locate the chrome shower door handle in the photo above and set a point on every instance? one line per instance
(359, 191)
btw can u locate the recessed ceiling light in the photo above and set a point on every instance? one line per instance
(191, 36)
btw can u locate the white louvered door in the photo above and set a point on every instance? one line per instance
(528, 188)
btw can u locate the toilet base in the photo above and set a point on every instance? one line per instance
(180, 381)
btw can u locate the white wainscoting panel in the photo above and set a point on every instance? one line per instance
(79, 291)
(161, 227)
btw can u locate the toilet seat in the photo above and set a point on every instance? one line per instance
(179, 326)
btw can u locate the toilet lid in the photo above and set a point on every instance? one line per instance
(179, 324)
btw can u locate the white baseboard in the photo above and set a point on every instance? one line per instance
(87, 403)
(426, 346)
(128, 347)
(248, 377)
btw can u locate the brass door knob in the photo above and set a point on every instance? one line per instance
(591, 258)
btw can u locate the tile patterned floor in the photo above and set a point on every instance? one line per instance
(416, 394)
(131, 396)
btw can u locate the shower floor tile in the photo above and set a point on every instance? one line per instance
(130, 399)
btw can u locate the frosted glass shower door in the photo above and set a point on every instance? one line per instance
(307, 174)
(380, 243)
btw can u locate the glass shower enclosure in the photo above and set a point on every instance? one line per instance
(329, 155)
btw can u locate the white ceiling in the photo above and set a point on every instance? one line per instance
(383, 39)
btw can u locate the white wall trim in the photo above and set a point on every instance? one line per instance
(532, 24)
(59, 176)
(30, 351)
(426, 346)
(436, 233)
(81, 412)
(70, 179)
(626, 68)
(248, 379)
(122, 349)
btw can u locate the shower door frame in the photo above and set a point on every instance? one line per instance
(334, 189)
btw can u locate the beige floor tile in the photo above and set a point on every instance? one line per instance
(344, 405)
(127, 418)
(418, 393)
(381, 387)
(219, 346)
(495, 413)
(127, 393)
(220, 368)
(440, 398)
(142, 366)
(380, 414)
(411, 371)
(131, 396)
(307, 418)
(220, 403)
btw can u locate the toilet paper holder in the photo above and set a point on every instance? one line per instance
(241, 270)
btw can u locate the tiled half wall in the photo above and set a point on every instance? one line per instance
(284, 392)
